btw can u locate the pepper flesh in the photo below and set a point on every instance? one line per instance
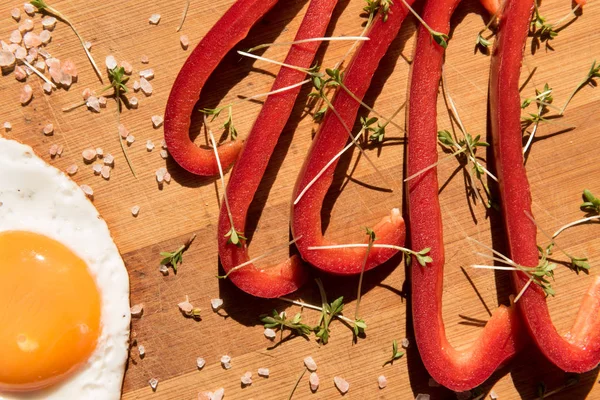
(330, 139)
(226, 33)
(458, 370)
(579, 350)
(248, 171)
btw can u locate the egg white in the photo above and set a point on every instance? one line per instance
(37, 197)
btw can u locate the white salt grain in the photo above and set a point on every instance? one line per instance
(99, 152)
(105, 172)
(137, 310)
(164, 154)
(149, 145)
(147, 73)
(92, 103)
(53, 150)
(109, 160)
(45, 37)
(382, 381)
(49, 23)
(135, 210)
(16, 14)
(153, 383)
(26, 95)
(97, 168)
(200, 362)
(48, 130)
(72, 169)
(142, 350)
(144, 59)
(405, 343)
(123, 131)
(87, 190)
(130, 139)
(102, 101)
(127, 67)
(185, 41)
(30, 40)
(7, 126)
(164, 270)
(310, 364)
(136, 85)
(89, 155)
(160, 174)
(163, 144)
(246, 378)
(7, 59)
(216, 304)
(15, 37)
(270, 333)
(110, 62)
(133, 102)
(313, 381)
(264, 372)
(341, 384)
(226, 362)
(145, 86)
(218, 394)
(154, 19)
(157, 121)
(29, 9)
(493, 395)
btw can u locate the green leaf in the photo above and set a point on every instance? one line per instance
(39, 4)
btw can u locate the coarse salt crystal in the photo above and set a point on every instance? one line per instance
(87, 190)
(160, 174)
(16, 14)
(226, 361)
(87, 92)
(205, 395)
(110, 62)
(149, 145)
(26, 95)
(30, 40)
(69, 67)
(164, 154)
(130, 139)
(145, 86)
(185, 41)
(144, 59)
(72, 169)
(310, 364)
(493, 395)
(97, 168)
(49, 23)
(127, 67)
(15, 37)
(147, 73)
(167, 177)
(154, 19)
(30, 59)
(29, 9)
(102, 101)
(123, 131)
(20, 53)
(44, 53)
(55, 74)
(7, 59)
(405, 343)
(135, 210)
(157, 121)
(270, 333)
(45, 37)
(164, 270)
(20, 73)
(105, 172)
(60, 150)
(246, 378)
(133, 102)
(216, 304)
(89, 155)
(92, 103)
(40, 66)
(218, 394)
(109, 159)
(185, 306)
(163, 144)
(137, 310)
(48, 130)
(422, 396)
(136, 85)
(7, 126)
(264, 372)
(382, 381)
(341, 384)
(142, 350)
(53, 150)
(153, 383)
(313, 380)
(53, 63)
(200, 362)
(26, 26)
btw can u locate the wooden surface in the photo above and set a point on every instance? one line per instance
(560, 166)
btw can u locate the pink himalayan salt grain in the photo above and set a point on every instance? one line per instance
(87, 92)
(40, 66)
(29, 9)
(246, 379)
(130, 139)
(154, 19)
(310, 364)
(66, 80)
(164, 154)
(123, 131)
(135, 210)
(102, 101)
(149, 145)
(60, 150)
(110, 62)
(264, 372)
(160, 174)
(55, 74)
(16, 14)
(26, 95)
(48, 23)
(341, 384)
(145, 86)
(72, 169)
(382, 381)
(144, 59)
(167, 177)
(147, 73)
(53, 150)
(20, 73)
(31, 39)
(109, 159)
(93, 104)
(15, 37)
(88, 45)
(105, 172)
(313, 380)
(53, 63)
(44, 53)
(7, 59)
(127, 67)
(20, 53)
(47, 88)
(99, 152)
(45, 37)
(97, 168)
(69, 67)
(136, 85)
(7, 126)
(26, 26)
(87, 190)
(89, 155)
(48, 130)
(133, 102)
(185, 42)
(157, 121)
(137, 310)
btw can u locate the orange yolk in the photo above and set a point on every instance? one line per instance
(49, 311)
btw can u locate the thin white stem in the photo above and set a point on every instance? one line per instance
(508, 260)
(497, 259)
(185, 11)
(214, 146)
(312, 307)
(38, 73)
(571, 13)
(447, 158)
(280, 90)
(322, 171)
(351, 49)
(297, 68)
(265, 254)
(533, 131)
(523, 290)
(418, 17)
(317, 39)
(579, 221)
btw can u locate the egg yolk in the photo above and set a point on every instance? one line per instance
(49, 311)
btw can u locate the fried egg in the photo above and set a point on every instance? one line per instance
(64, 289)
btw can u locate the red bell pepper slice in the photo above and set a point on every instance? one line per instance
(330, 139)
(579, 350)
(226, 33)
(249, 169)
(464, 369)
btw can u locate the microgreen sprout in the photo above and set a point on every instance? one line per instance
(422, 256)
(175, 258)
(396, 354)
(438, 37)
(329, 311)
(545, 31)
(378, 6)
(485, 42)
(592, 74)
(252, 261)
(235, 237)
(280, 321)
(42, 6)
(544, 100)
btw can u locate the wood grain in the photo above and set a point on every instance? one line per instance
(560, 166)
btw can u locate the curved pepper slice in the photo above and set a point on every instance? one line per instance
(578, 350)
(458, 370)
(330, 139)
(249, 169)
(226, 33)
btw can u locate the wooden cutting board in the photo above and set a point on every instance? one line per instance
(560, 166)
